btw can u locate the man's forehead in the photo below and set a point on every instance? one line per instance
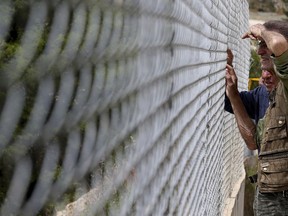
(267, 73)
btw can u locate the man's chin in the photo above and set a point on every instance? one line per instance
(269, 88)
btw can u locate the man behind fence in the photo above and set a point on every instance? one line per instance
(256, 101)
(270, 137)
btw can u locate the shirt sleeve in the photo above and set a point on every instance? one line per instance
(248, 101)
(281, 65)
(227, 105)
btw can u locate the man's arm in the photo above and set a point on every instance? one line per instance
(246, 126)
(275, 41)
(281, 64)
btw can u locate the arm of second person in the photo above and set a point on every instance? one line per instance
(246, 126)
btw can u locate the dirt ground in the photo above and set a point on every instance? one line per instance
(260, 17)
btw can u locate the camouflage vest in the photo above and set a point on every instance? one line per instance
(273, 154)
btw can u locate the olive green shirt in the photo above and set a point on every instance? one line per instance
(281, 65)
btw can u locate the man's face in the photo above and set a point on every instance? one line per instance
(265, 55)
(269, 80)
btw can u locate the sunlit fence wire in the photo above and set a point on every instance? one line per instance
(115, 107)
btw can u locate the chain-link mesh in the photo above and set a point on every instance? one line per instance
(115, 107)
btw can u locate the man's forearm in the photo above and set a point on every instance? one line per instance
(275, 41)
(246, 126)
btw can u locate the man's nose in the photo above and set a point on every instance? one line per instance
(266, 80)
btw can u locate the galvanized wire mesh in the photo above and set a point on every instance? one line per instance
(116, 107)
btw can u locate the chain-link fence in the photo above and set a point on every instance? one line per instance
(115, 107)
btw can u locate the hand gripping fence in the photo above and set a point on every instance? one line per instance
(115, 107)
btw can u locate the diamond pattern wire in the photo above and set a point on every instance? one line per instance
(116, 107)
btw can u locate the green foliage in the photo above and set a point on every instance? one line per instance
(21, 3)
(9, 51)
(255, 66)
(9, 47)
